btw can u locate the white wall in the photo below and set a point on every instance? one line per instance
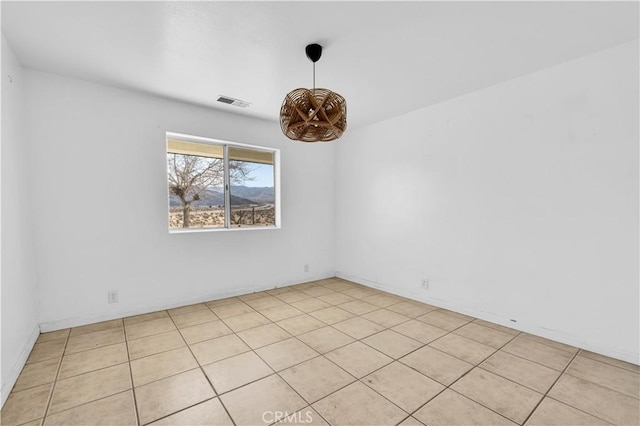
(19, 320)
(100, 202)
(519, 202)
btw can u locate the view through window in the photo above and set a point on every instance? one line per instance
(214, 184)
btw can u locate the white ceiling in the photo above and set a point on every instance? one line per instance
(385, 58)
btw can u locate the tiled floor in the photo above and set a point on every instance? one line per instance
(327, 352)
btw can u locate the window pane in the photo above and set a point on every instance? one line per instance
(196, 185)
(252, 188)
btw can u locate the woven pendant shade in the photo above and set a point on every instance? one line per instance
(318, 115)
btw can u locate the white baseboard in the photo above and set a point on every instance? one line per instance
(18, 366)
(633, 358)
(90, 319)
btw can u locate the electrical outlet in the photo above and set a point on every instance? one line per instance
(112, 296)
(425, 283)
(306, 267)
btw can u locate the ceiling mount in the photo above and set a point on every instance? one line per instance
(314, 52)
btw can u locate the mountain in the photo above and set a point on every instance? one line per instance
(240, 195)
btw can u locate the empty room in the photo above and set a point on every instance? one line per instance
(320, 213)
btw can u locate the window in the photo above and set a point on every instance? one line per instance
(221, 185)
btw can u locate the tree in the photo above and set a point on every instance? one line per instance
(191, 175)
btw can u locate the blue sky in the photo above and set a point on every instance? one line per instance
(262, 175)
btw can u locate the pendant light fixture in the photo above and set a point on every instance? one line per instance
(316, 115)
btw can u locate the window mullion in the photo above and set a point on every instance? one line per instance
(227, 189)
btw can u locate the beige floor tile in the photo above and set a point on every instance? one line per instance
(358, 359)
(484, 335)
(332, 315)
(325, 339)
(498, 327)
(155, 367)
(94, 359)
(88, 387)
(293, 296)
(219, 302)
(232, 309)
(236, 371)
(166, 396)
(277, 313)
(358, 307)
(194, 318)
(47, 350)
(499, 394)
(145, 317)
(149, 328)
(36, 374)
(286, 353)
(442, 320)
(617, 379)
(305, 417)
(53, 335)
(385, 318)
(553, 344)
(246, 321)
(452, 409)
(597, 400)
(403, 386)
(253, 296)
(249, 404)
(439, 366)
(206, 413)
(359, 292)
(456, 314)
(279, 290)
(382, 300)
(97, 339)
(466, 349)
(537, 352)
(187, 309)
(263, 335)
(553, 413)
(26, 405)
(318, 291)
(219, 348)
(117, 409)
(410, 421)
(206, 331)
(37, 422)
(316, 378)
(419, 331)
(411, 309)
(610, 361)
(300, 324)
(393, 344)
(99, 326)
(264, 302)
(527, 373)
(358, 405)
(154, 344)
(310, 305)
(336, 298)
(358, 327)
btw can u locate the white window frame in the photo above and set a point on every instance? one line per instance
(227, 189)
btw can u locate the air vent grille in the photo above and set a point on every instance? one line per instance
(233, 101)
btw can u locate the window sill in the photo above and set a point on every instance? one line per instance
(240, 228)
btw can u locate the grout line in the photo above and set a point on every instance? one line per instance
(551, 387)
(216, 395)
(133, 387)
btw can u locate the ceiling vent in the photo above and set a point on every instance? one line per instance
(233, 101)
